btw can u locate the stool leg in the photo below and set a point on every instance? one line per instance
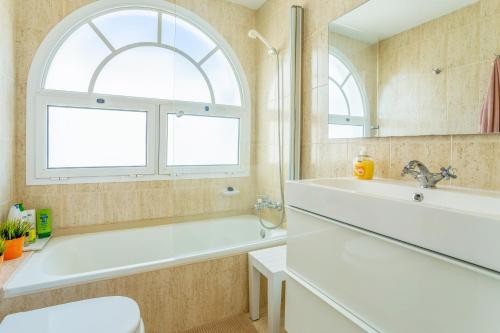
(254, 289)
(273, 305)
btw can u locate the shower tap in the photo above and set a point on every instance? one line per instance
(266, 202)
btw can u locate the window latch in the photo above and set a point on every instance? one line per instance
(135, 176)
(59, 178)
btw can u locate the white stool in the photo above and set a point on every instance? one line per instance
(271, 263)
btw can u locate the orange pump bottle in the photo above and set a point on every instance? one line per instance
(363, 165)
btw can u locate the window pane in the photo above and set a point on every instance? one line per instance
(168, 29)
(221, 76)
(79, 137)
(353, 94)
(76, 60)
(150, 72)
(191, 40)
(127, 27)
(189, 85)
(345, 131)
(338, 71)
(338, 103)
(201, 140)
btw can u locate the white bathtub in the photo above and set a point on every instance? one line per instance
(71, 260)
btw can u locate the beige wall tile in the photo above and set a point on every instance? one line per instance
(489, 37)
(7, 106)
(460, 91)
(464, 119)
(461, 44)
(463, 16)
(477, 161)
(490, 7)
(333, 160)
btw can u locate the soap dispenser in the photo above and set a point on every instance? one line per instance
(363, 165)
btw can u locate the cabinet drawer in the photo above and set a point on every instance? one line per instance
(392, 286)
(308, 312)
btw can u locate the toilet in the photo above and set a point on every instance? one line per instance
(114, 314)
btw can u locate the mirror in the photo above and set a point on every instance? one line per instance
(408, 67)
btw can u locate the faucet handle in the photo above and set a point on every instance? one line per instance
(448, 172)
(406, 169)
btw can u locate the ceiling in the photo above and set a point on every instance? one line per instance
(380, 19)
(252, 4)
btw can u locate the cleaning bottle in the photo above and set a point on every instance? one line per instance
(29, 216)
(16, 212)
(363, 165)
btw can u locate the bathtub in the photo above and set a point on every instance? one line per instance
(78, 259)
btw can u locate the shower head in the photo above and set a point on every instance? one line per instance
(252, 33)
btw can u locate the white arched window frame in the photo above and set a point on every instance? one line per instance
(348, 122)
(159, 115)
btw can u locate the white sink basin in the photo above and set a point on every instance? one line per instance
(460, 223)
(466, 200)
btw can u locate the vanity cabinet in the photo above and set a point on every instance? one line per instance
(347, 279)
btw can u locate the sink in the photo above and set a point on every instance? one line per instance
(459, 223)
(461, 199)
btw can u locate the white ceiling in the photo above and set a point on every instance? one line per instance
(252, 4)
(380, 19)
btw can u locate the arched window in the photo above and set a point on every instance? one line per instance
(348, 115)
(133, 91)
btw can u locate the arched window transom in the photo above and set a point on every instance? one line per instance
(144, 53)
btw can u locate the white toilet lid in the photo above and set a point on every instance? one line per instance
(114, 314)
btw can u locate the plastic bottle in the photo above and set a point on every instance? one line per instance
(30, 217)
(43, 223)
(363, 165)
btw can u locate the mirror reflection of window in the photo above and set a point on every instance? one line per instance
(348, 114)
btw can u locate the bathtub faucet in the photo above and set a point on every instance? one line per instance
(264, 202)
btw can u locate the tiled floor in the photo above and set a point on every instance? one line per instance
(261, 324)
(238, 324)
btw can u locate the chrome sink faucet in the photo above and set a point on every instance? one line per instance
(425, 178)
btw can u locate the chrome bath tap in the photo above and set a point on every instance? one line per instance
(425, 178)
(264, 202)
